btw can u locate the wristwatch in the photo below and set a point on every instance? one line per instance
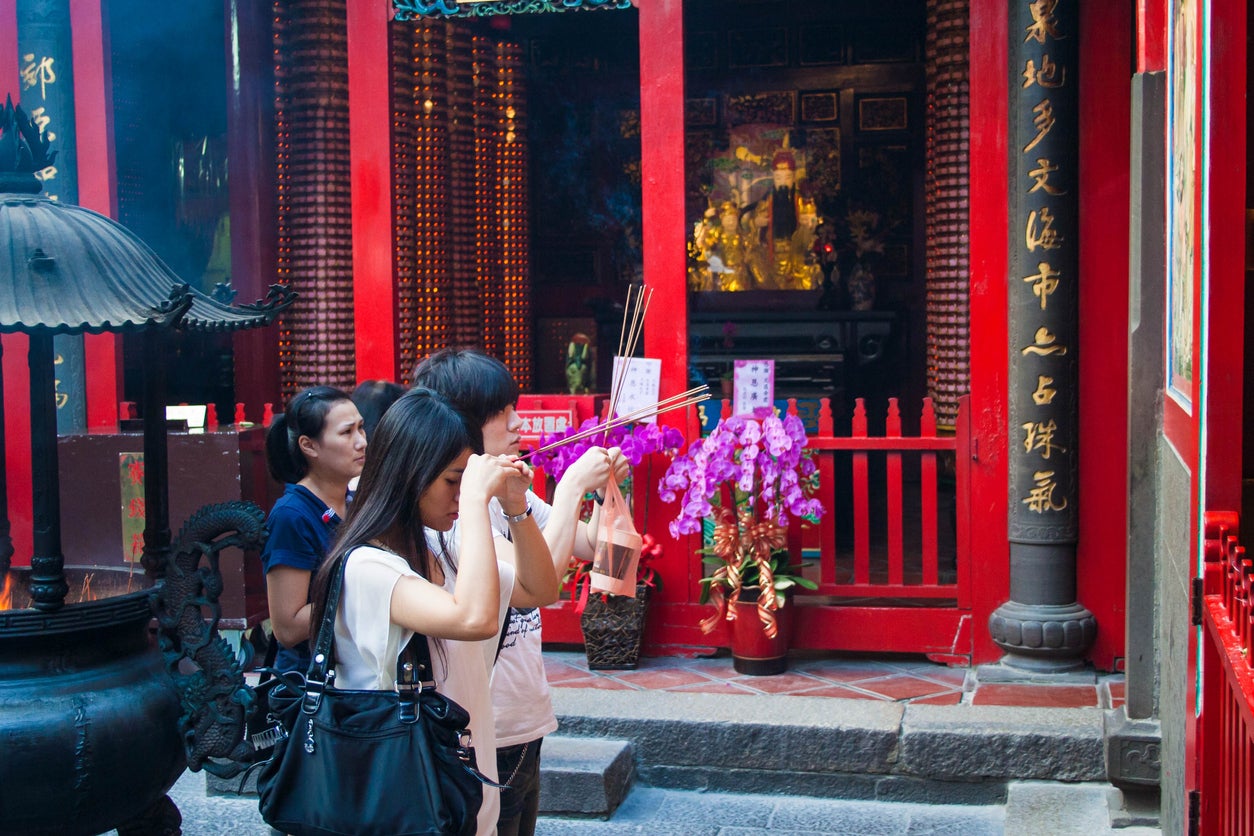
(517, 518)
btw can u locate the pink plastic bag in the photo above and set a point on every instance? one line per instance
(618, 547)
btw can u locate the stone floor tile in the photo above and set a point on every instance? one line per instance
(947, 698)
(902, 687)
(661, 679)
(1043, 696)
(603, 683)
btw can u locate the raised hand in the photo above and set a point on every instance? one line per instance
(592, 470)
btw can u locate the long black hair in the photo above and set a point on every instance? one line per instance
(306, 414)
(477, 384)
(416, 440)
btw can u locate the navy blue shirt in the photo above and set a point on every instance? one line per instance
(301, 528)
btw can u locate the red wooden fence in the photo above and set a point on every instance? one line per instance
(1226, 722)
(885, 583)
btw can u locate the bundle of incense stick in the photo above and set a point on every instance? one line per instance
(695, 395)
(627, 338)
(633, 323)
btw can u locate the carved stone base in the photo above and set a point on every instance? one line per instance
(1044, 638)
(1133, 751)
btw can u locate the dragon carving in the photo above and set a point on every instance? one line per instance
(216, 702)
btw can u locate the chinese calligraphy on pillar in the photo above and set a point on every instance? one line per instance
(45, 67)
(1044, 264)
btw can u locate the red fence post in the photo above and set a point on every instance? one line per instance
(927, 497)
(861, 502)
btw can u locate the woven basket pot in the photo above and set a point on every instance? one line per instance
(613, 629)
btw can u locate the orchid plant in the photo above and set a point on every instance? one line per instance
(755, 468)
(636, 441)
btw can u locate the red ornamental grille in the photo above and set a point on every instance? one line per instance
(316, 336)
(946, 212)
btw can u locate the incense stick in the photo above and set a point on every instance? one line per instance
(684, 399)
(627, 337)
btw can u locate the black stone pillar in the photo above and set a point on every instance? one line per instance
(46, 65)
(156, 457)
(1042, 628)
(47, 577)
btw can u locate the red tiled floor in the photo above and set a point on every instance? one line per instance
(711, 686)
(664, 679)
(902, 687)
(840, 693)
(784, 683)
(1044, 696)
(951, 698)
(895, 679)
(557, 672)
(938, 673)
(603, 683)
(852, 672)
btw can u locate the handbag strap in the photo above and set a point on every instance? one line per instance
(417, 654)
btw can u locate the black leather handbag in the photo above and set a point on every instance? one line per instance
(369, 763)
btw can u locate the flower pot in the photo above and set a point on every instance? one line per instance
(752, 652)
(613, 629)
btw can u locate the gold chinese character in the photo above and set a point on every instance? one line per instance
(1045, 282)
(1041, 498)
(1043, 22)
(1046, 237)
(1043, 344)
(1043, 121)
(1044, 395)
(1047, 75)
(61, 397)
(46, 174)
(1040, 436)
(1041, 176)
(41, 119)
(40, 73)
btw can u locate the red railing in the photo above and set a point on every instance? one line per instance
(889, 576)
(1226, 721)
(888, 580)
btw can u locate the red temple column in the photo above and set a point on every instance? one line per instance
(662, 195)
(370, 136)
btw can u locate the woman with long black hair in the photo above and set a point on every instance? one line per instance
(422, 474)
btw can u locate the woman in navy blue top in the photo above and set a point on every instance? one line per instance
(316, 447)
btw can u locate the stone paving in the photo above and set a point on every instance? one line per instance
(911, 680)
(1044, 808)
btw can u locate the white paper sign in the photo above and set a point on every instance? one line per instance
(641, 382)
(754, 382)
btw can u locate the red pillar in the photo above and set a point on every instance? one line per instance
(662, 168)
(97, 189)
(370, 133)
(1106, 31)
(17, 472)
(250, 148)
(989, 336)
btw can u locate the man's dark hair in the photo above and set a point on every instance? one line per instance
(477, 384)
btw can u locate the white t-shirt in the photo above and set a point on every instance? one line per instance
(367, 645)
(520, 690)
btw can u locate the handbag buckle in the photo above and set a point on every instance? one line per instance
(313, 696)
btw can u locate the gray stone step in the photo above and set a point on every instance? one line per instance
(1038, 808)
(584, 776)
(851, 749)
